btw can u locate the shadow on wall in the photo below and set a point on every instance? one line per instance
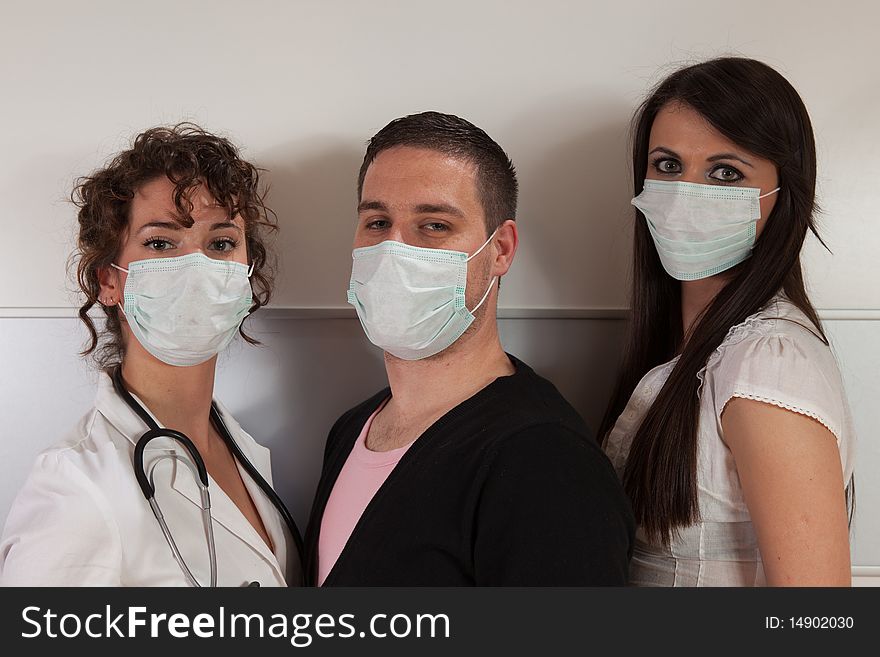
(293, 388)
(574, 215)
(313, 190)
(580, 357)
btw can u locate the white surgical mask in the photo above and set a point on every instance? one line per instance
(411, 300)
(185, 310)
(700, 230)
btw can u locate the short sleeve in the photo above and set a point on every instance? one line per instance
(552, 513)
(795, 371)
(59, 532)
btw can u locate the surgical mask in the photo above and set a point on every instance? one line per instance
(700, 230)
(411, 300)
(185, 310)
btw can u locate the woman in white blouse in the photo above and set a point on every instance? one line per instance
(729, 425)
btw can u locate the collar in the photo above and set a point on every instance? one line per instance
(123, 419)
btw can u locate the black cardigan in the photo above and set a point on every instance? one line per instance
(506, 489)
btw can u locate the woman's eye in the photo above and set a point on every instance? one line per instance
(158, 244)
(223, 244)
(666, 165)
(726, 174)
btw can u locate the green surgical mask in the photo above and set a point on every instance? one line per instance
(700, 230)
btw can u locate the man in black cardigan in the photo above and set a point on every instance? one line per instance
(469, 469)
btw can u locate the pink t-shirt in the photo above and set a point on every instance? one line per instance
(361, 476)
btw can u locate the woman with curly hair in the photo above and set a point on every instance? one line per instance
(171, 245)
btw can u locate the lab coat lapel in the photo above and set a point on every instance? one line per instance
(268, 514)
(117, 412)
(272, 521)
(223, 509)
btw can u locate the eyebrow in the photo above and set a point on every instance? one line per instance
(729, 156)
(663, 149)
(714, 158)
(372, 205)
(167, 225)
(225, 224)
(422, 208)
(439, 208)
(173, 225)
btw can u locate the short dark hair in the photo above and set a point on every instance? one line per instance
(454, 136)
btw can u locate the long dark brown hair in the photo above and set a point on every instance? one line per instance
(755, 107)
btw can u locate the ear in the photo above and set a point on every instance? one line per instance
(505, 243)
(111, 286)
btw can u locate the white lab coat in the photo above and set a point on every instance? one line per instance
(82, 520)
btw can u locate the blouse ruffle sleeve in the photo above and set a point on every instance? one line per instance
(792, 369)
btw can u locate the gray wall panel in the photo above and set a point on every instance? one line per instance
(288, 393)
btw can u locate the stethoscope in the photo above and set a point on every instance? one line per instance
(196, 465)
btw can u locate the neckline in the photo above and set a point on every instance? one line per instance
(372, 458)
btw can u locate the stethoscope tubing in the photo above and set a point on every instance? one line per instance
(145, 482)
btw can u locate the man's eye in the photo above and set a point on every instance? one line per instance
(436, 226)
(667, 165)
(726, 174)
(377, 224)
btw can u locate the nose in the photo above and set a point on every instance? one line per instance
(692, 175)
(396, 234)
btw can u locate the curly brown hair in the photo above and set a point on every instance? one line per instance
(189, 157)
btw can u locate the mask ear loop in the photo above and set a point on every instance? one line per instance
(494, 278)
(251, 270)
(477, 252)
(485, 296)
(772, 191)
(118, 304)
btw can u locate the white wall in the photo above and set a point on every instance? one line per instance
(302, 85)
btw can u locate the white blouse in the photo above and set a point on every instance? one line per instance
(774, 356)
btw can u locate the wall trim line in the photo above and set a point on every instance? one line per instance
(866, 571)
(346, 312)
